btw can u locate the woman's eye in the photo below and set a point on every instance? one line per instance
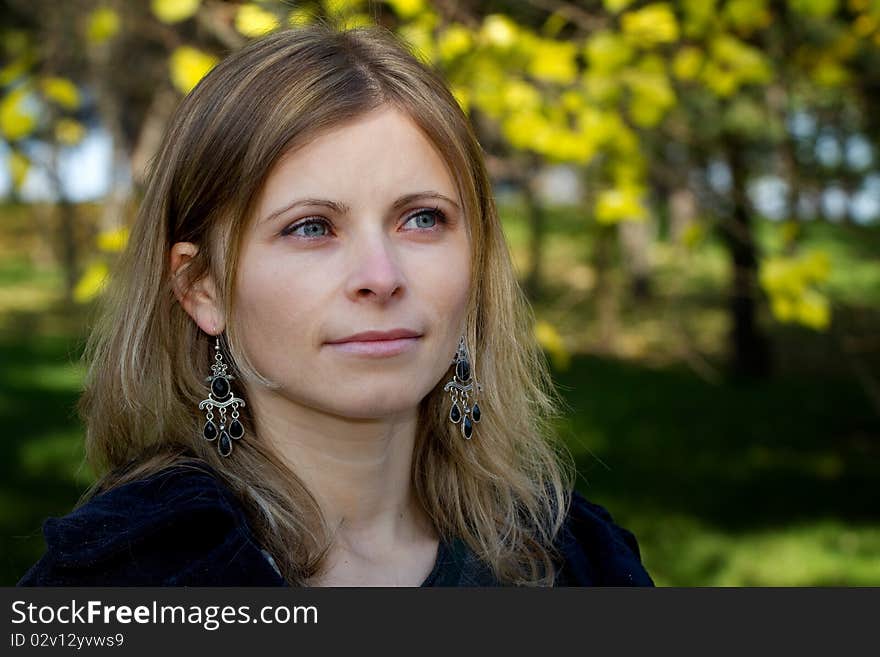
(434, 214)
(309, 232)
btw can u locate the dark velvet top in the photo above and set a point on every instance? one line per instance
(185, 527)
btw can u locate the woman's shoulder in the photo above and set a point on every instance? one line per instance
(181, 526)
(596, 550)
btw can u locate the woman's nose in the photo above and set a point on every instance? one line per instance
(376, 271)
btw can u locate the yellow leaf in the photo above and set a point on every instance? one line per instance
(69, 131)
(813, 310)
(615, 6)
(526, 130)
(254, 21)
(698, 16)
(551, 341)
(499, 30)
(652, 96)
(734, 63)
(600, 88)
(19, 166)
(607, 51)
(621, 139)
(91, 282)
(521, 96)
(829, 73)
(719, 80)
(573, 100)
(748, 15)
(62, 91)
(570, 146)
(407, 9)
(463, 96)
(113, 240)
(487, 93)
(687, 62)
(174, 11)
(619, 204)
(782, 276)
(788, 281)
(815, 266)
(603, 126)
(346, 14)
(554, 24)
(865, 25)
(420, 37)
(16, 69)
(342, 7)
(455, 40)
(782, 308)
(747, 62)
(627, 172)
(188, 66)
(15, 122)
(814, 8)
(651, 25)
(554, 61)
(102, 25)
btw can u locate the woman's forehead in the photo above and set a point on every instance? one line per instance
(378, 153)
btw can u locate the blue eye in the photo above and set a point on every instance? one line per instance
(290, 230)
(438, 216)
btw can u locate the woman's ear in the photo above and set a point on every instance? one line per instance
(199, 300)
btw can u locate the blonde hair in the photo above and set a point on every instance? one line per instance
(505, 492)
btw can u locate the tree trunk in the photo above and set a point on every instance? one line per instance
(67, 244)
(682, 213)
(750, 354)
(151, 132)
(606, 292)
(537, 229)
(636, 238)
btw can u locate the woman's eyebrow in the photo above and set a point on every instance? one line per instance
(342, 208)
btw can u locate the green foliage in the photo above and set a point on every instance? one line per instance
(604, 88)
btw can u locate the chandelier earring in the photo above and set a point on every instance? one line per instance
(221, 398)
(462, 388)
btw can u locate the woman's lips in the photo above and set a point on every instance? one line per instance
(375, 347)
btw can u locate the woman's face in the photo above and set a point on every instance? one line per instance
(360, 230)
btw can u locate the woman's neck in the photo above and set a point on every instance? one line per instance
(359, 470)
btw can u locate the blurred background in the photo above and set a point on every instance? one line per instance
(691, 193)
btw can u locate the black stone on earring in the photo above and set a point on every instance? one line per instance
(463, 370)
(220, 388)
(225, 445)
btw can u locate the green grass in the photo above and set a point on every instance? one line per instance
(723, 482)
(710, 474)
(41, 471)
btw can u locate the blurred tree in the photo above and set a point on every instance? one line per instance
(666, 109)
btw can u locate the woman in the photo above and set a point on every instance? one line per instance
(315, 365)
